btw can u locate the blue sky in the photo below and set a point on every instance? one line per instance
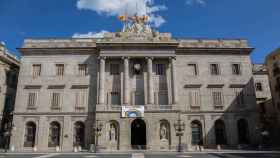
(255, 20)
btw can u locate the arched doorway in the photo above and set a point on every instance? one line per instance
(220, 132)
(54, 134)
(138, 134)
(79, 134)
(30, 134)
(196, 133)
(243, 132)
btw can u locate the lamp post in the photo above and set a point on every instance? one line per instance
(180, 128)
(97, 131)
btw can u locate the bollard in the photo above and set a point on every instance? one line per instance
(218, 147)
(75, 149)
(79, 148)
(57, 149)
(35, 148)
(197, 148)
(201, 148)
(12, 148)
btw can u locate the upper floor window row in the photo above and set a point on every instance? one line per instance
(59, 70)
(215, 69)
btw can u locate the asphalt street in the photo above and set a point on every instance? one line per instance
(143, 155)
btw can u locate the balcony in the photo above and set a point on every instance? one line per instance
(118, 108)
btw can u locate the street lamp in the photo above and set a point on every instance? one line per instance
(97, 131)
(180, 128)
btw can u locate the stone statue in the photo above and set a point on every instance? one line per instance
(112, 133)
(163, 132)
(136, 24)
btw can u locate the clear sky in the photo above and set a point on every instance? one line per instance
(255, 20)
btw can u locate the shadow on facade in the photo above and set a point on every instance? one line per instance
(7, 115)
(92, 63)
(236, 126)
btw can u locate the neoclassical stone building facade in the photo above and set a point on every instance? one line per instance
(134, 86)
(9, 68)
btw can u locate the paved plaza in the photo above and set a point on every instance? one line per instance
(243, 154)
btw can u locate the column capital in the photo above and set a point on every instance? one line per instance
(152, 58)
(125, 57)
(101, 57)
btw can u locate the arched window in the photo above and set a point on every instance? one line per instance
(54, 134)
(243, 131)
(220, 132)
(79, 134)
(196, 133)
(30, 134)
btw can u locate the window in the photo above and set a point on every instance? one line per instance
(193, 69)
(81, 99)
(83, 70)
(162, 98)
(194, 98)
(114, 69)
(243, 131)
(30, 134)
(259, 86)
(214, 68)
(54, 134)
(36, 70)
(32, 98)
(55, 103)
(220, 133)
(139, 98)
(236, 69)
(59, 70)
(115, 98)
(217, 98)
(240, 97)
(196, 133)
(79, 134)
(160, 69)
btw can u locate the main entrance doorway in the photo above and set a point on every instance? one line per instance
(138, 134)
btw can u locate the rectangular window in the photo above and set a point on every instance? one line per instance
(194, 99)
(32, 98)
(139, 98)
(81, 99)
(214, 68)
(239, 97)
(55, 102)
(114, 69)
(160, 69)
(36, 70)
(259, 86)
(59, 70)
(115, 98)
(236, 69)
(83, 70)
(162, 98)
(217, 98)
(193, 69)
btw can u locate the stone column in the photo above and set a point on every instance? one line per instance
(174, 81)
(150, 81)
(126, 80)
(101, 80)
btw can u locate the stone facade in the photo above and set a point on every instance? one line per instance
(273, 66)
(265, 106)
(208, 84)
(9, 67)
